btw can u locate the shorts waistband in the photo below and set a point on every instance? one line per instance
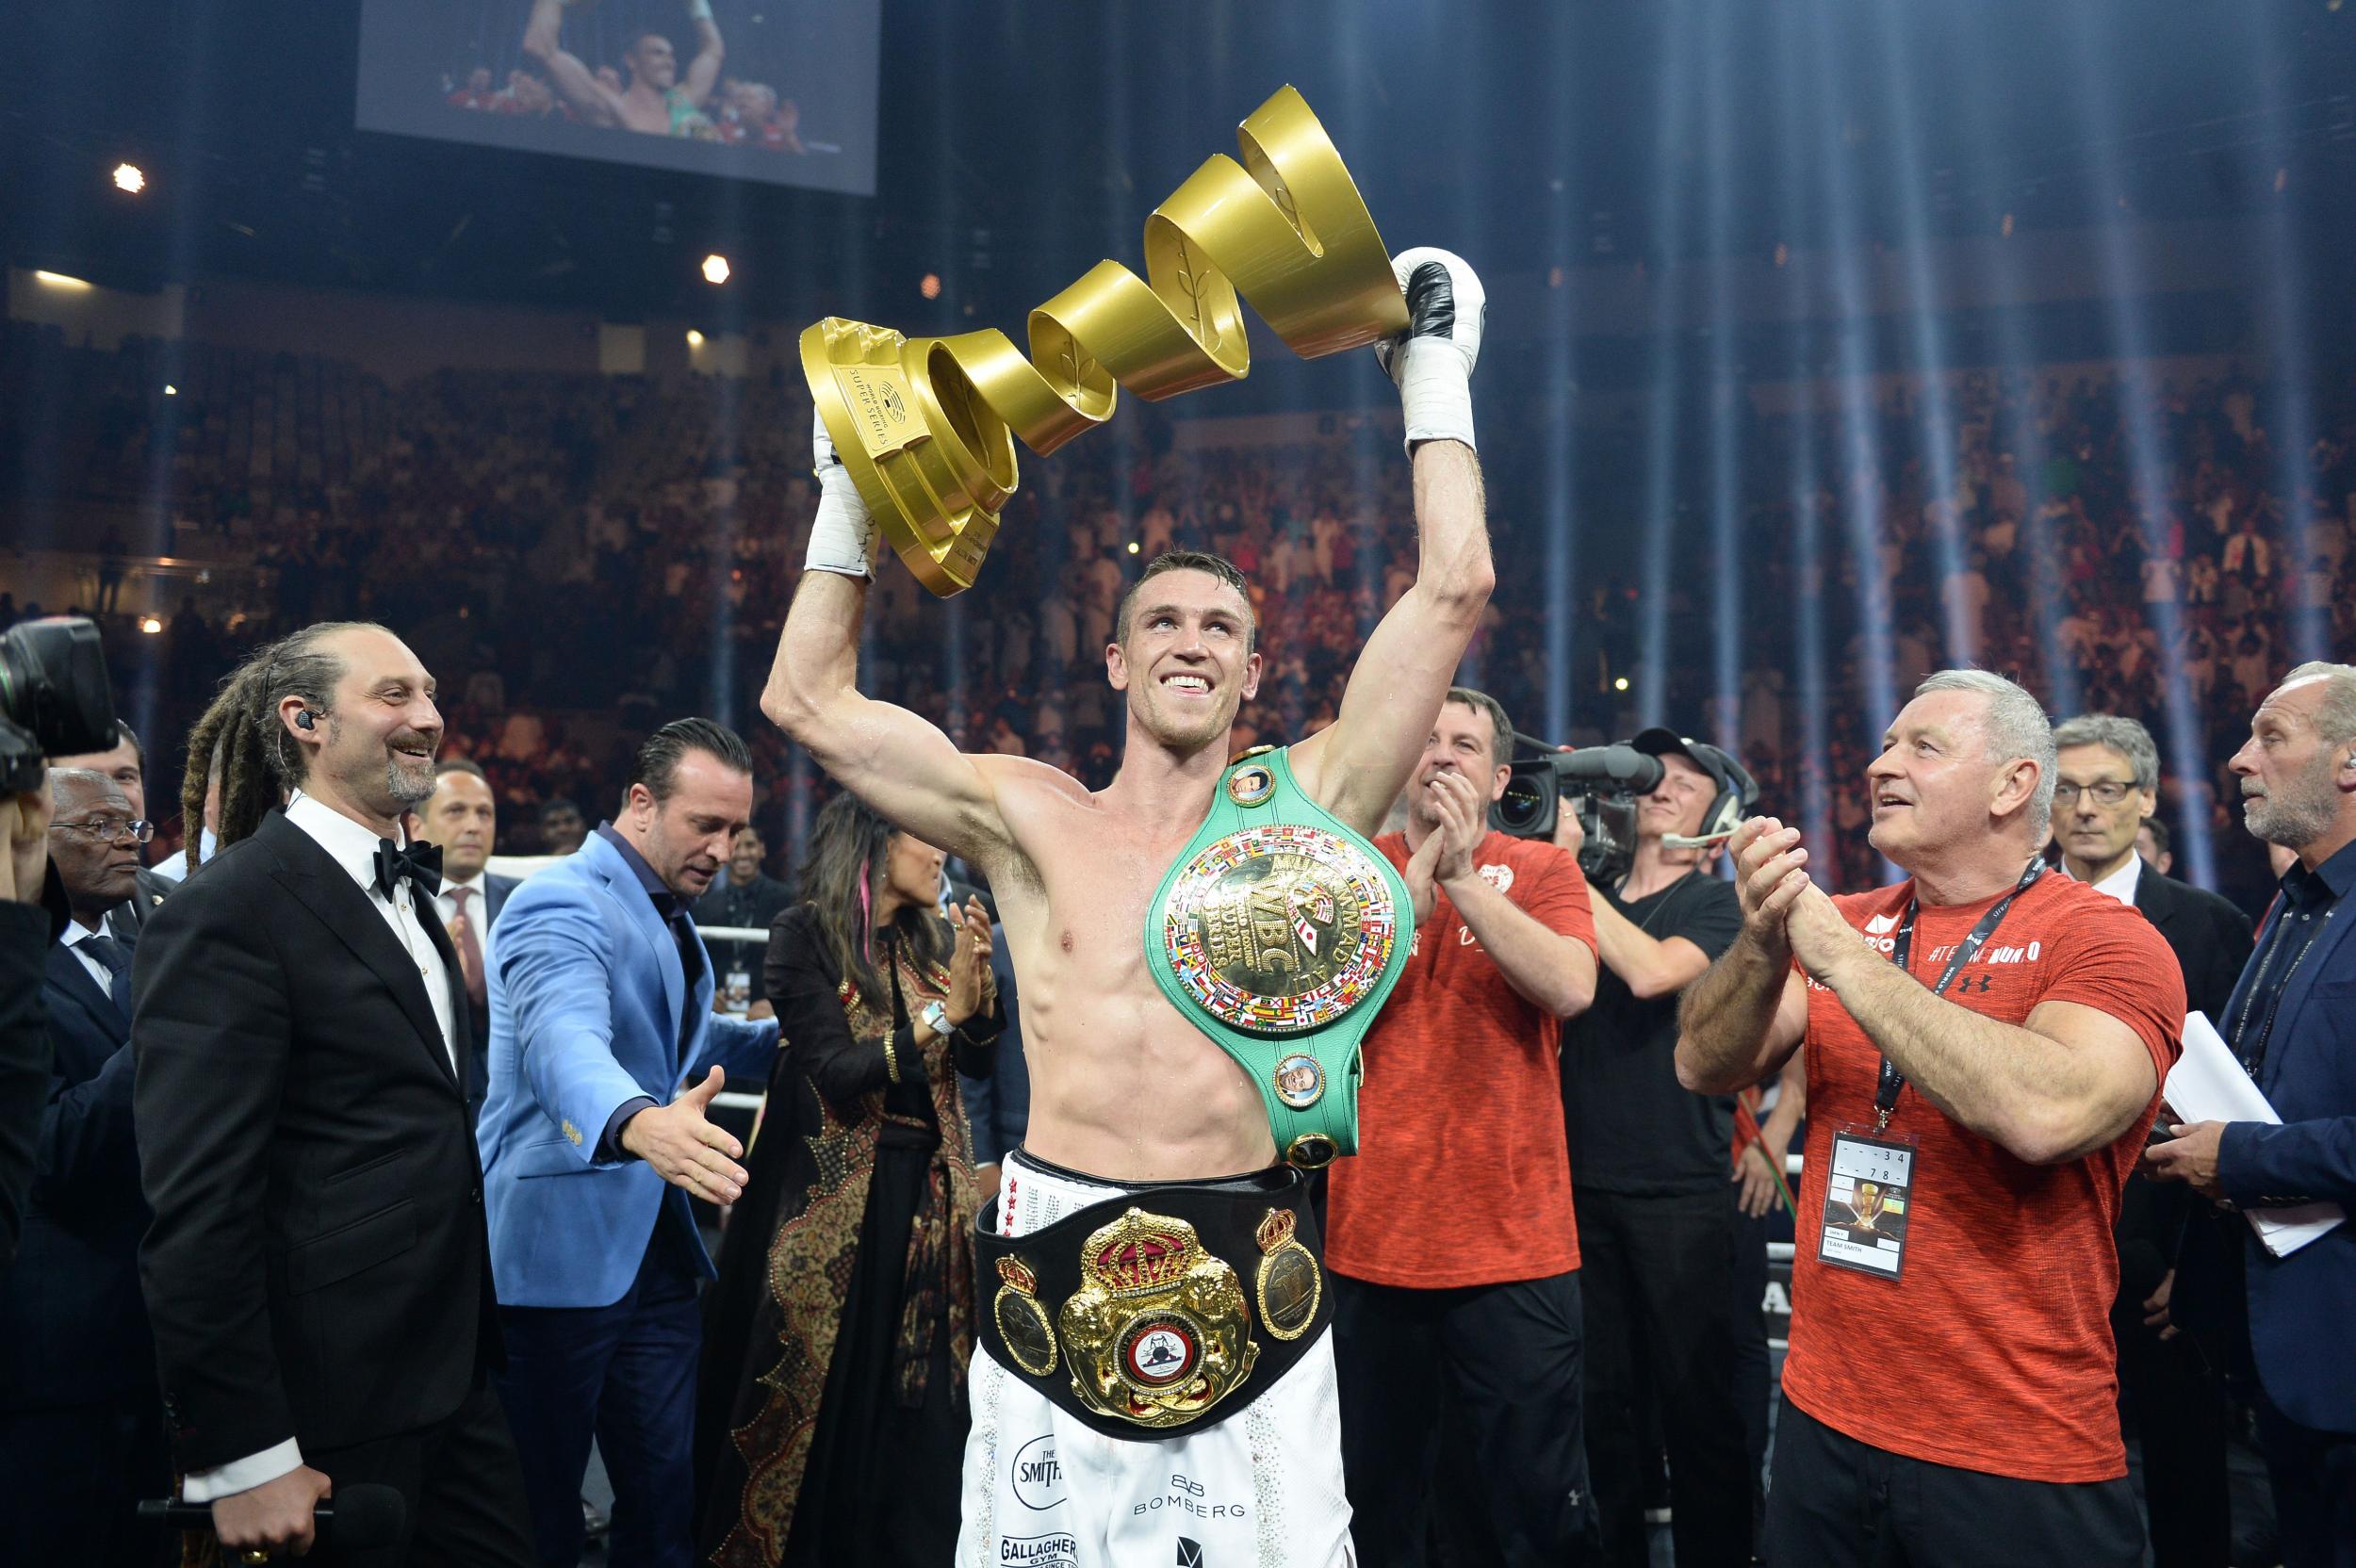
(1273, 1178)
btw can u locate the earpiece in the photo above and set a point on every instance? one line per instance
(302, 719)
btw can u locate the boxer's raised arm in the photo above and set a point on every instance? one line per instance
(895, 760)
(575, 80)
(1356, 767)
(704, 69)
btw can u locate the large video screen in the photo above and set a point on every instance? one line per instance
(782, 90)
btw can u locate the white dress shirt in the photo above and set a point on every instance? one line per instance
(352, 846)
(2121, 884)
(75, 935)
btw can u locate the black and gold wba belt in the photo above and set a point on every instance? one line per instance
(1166, 1308)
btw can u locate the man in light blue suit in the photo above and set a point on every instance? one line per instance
(604, 1053)
(2289, 1022)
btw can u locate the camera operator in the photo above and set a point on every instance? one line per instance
(25, 929)
(1649, 1172)
(54, 699)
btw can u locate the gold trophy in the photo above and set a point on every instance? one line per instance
(925, 425)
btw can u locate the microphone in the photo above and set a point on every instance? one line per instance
(1684, 841)
(360, 1518)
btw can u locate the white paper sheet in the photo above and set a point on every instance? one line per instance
(2208, 1084)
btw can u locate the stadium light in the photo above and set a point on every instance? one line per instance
(715, 269)
(930, 288)
(694, 338)
(60, 280)
(129, 178)
(149, 625)
(1619, 684)
(170, 390)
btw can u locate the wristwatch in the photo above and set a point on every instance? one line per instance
(935, 1017)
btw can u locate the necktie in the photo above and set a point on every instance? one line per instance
(462, 936)
(117, 961)
(420, 863)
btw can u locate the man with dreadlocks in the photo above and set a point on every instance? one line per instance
(318, 1272)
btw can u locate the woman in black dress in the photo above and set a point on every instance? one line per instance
(832, 1410)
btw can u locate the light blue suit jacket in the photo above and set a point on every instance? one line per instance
(586, 996)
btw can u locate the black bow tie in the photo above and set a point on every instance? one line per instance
(419, 863)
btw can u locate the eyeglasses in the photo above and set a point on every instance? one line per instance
(2108, 793)
(108, 829)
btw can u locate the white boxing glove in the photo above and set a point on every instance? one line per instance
(1432, 363)
(844, 537)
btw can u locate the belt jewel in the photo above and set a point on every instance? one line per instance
(1029, 1338)
(1159, 1330)
(1291, 1284)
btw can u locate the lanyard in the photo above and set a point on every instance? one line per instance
(2253, 1057)
(1902, 949)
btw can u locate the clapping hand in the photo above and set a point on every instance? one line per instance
(1769, 877)
(970, 980)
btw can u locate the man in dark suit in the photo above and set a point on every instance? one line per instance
(81, 1420)
(125, 764)
(27, 926)
(2288, 1023)
(2108, 779)
(461, 818)
(318, 1273)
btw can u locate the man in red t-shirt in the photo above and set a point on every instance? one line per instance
(1987, 1059)
(1451, 1238)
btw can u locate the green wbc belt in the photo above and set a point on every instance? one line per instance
(1279, 932)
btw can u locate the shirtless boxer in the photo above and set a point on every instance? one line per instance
(1130, 1095)
(655, 102)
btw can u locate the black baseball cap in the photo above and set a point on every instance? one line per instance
(1728, 774)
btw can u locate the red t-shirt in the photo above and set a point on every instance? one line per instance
(1462, 1175)
(1992, 1349)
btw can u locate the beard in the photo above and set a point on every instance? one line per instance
(402, 785)
(2296, 815)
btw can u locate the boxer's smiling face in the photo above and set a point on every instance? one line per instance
(1187, 662)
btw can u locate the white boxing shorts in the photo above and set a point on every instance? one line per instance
(1044, 1490)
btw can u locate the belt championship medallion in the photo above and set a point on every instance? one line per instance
(1159, 1331)
(1279, 927)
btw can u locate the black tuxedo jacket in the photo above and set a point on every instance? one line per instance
(2211, 939)
(72, 1328)
(318, 1267)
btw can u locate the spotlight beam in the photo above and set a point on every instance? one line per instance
(1959, 627)
(2024, 439)
(1857, 466)
(2147, 453)
(1661, 465)
(1815, 762)
(1726, 393)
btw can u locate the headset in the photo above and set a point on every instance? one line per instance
(1738, 790)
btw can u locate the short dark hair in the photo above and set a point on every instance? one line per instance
(655, 765)
(460, 765)
(1190, 561)
(1501, 750)
(124, 733)
(560, 803)
(2159, 833)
